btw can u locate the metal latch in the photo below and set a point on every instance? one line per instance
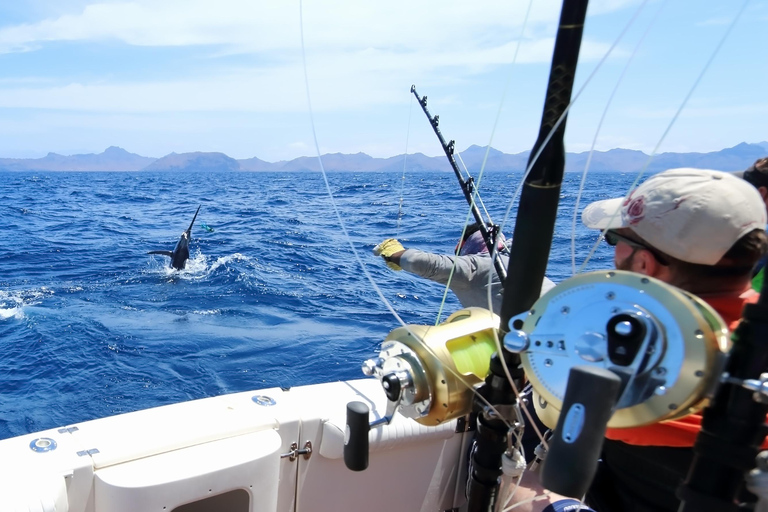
(295, 452)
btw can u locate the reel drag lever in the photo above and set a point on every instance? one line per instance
(590, 397)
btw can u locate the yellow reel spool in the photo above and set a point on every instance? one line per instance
(445, 361)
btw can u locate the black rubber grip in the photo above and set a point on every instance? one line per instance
(574, 448)
(356, 436)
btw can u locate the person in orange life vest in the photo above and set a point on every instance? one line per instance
(702, 231)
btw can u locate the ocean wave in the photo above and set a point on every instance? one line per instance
(13, 302)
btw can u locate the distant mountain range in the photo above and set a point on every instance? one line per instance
(113, 158)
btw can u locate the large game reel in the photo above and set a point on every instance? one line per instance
(667, 346)
(428, 371)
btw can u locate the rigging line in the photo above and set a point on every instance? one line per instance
(559, 122)
(325, 177)
(504, 94)
(600, 125)
(669, 126)
(405, 160)
(485, 160)
(536, 157)
(475, 192)
(697, 81)
(367, 274)
(488, 150)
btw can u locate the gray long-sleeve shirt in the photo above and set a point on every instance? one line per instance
(470, 277)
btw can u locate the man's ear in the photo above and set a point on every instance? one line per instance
(644, 262)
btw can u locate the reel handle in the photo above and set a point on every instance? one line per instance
(574, 448)
(356, 436)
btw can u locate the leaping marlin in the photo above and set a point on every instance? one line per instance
(180, 253)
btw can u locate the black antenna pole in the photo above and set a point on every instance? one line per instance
(531, 244)
(468, 187)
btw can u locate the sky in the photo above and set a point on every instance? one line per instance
(162, 76)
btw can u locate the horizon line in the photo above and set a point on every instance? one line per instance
(764, 144)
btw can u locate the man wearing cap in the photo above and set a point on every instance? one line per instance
(702, 231)
(472, 267)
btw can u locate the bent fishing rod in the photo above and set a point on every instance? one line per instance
(489, 231)
(531, 244)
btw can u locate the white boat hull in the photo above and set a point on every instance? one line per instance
(224, 453)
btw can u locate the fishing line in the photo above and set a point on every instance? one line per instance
(349, 239)
(325, 176)
(669, 127)
(525, 175)
(476, 192)
(560, 120)
(514, 198)
(549, 136)
(599, 127)
(405, 160)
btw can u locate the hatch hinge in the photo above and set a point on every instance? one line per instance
(295, 452)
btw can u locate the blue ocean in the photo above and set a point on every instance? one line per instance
(273, 294)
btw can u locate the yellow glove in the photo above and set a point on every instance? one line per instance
(386, 249)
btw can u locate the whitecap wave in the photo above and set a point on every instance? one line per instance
(12, 302)
(11, 313)
(207, 312)
(197, 267)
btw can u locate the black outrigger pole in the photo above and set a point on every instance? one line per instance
(490, 232)
(531, 244)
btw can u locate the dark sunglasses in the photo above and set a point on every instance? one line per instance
(613, 238)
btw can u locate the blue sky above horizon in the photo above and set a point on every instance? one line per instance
(162, 76)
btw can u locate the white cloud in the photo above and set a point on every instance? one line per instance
(251, 26)
(374, 77)
(374, 48)
(268, 26)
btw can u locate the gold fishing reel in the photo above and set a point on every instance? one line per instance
(428, 372)
(667, 346)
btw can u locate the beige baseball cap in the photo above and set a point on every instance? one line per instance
(694, 215)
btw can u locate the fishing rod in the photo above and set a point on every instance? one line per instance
(531, 243)
(490, 232)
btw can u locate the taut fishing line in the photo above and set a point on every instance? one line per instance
(476, 192)
(669, 126)
(405, 161)
(519, 189)
(367, 274)
(597, 132)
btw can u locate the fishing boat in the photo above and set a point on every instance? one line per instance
(429, 427)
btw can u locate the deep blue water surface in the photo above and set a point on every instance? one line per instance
(90, 325)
